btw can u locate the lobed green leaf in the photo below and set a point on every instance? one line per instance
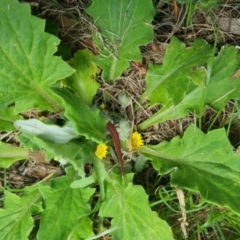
(171, 78)
(123, 26)
(83, 81)
(27, 64)
(215, 91)
(64, 207)
(132, 216)
(86, 121)
(200, 162)
(15, 217)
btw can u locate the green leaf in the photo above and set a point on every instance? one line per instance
(86, 121)
(198, 76)
(27, 143)
(84, 182)
(10, 154)
(64, 207)
(7, 117)
(123, 26)
(99, 175)
(171, 77)
(200, 162)
(129, 207)
(15, 217)
(73, 152)
(83, 230)
(76, 152)
(224, 66)
(83, 81)
(27, 64)
(218, 89)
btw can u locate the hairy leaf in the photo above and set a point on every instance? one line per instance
(15, 217)
(83, 81)
(10, 154)
(64, 207)
(200, 162)
(86, 121)
(124, 130)
(217, 90)
(45, 131)
(123, 26)
(27, 64)
(132, 216)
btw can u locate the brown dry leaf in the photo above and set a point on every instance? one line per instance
(175, 9)
(65, 21)
(38, 157)
(89, 44)
(141, 67)
(38, 167)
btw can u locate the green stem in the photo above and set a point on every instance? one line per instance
(101, 176)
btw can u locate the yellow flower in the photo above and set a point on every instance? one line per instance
(101, 151)
(135, 142)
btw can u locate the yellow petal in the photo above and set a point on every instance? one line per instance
(101, 151)
(135, 142)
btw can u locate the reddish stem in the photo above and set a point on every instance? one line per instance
(115, 137)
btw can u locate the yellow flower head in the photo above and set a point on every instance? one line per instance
(135, 142)
(101, 151)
